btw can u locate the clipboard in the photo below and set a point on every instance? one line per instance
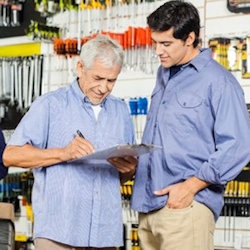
(121, 151)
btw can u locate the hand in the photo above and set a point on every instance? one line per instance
(77, 148)
(126, 164)
(180, 195)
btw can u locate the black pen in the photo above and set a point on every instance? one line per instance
(80, 134)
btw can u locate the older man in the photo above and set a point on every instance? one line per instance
(77, 205)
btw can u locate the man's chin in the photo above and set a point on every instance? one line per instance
(166, 64)
(96, 102)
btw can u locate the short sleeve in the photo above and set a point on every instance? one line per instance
(33, 128)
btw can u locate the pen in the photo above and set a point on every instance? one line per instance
(80, 134)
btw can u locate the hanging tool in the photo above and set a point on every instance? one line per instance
(25, 83)
(6, 13)
(16, 13)
(12, 84)
(1, 12)
(20, 87)
(133, 102)
(31, 82)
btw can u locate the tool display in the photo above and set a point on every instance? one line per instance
(138, 110)
(245, 57)
(20, 84)
(219, 47)
(136, 42)
(11, 12)
(21, 80)
(231, 226)
(130, 218)
(39, 31)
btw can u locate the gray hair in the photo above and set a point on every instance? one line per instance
(104, 49)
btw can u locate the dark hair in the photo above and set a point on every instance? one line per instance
(182, 16)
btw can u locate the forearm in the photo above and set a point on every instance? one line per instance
(28, 156)
(195, 184)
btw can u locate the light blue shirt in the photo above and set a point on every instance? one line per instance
(78, 204)
(200, 118)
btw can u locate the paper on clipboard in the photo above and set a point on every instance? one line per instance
(122, 150)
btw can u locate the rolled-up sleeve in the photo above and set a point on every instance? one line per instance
(231, 135)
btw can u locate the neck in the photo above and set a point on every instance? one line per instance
(191, 55)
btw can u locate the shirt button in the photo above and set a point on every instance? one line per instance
(163, 102)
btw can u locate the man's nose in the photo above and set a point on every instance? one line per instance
(158, 49)
(104, 86)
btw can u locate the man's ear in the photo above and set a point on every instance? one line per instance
(80, 68)
(190, 39)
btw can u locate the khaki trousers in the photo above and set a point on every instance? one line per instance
(46, 244)
(189, 228)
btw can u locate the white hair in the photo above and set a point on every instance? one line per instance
(104, 49)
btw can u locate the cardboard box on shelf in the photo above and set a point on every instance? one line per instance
(7, 211)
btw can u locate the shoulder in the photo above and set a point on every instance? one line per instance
(57, 98)
(117, 104)
(222, 85)
(220, 76)
(116, 100)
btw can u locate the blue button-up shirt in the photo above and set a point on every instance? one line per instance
(78, 204)
(200, 118)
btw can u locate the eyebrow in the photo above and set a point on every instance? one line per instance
(161, 41)
(100, 78)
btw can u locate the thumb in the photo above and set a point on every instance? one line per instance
(162, 191)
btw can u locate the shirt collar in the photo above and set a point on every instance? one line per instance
(83, 98)
(201, 60)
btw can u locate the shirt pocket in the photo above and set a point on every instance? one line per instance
(188, 100)
(186, 113)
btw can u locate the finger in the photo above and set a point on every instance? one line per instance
(124, 164)
(84, 144)
(162, 191)
(111, 161)
(121, 165)
(78, 150)
(88, 144)
(82, 151)
(131, 159)
(118, 160)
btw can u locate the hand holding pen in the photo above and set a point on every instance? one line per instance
(78, 147)
(83, 145)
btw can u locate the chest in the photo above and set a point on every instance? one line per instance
(182, 106)
(102, 131)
